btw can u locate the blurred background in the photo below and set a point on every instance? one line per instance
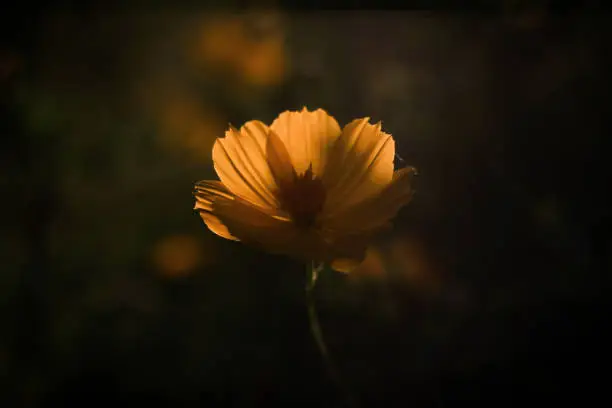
(491, 290)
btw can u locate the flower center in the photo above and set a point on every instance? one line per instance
(303, 198)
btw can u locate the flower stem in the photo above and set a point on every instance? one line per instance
(315, 328)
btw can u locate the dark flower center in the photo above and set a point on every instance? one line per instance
(303, 198)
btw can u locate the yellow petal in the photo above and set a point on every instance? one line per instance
(307, 137)
(360, 165)
(215, 225)
(272, 232)
(206, 192)
(241, 163)
(375, 212)
(255, 225)
(279, 160)
(234, 218)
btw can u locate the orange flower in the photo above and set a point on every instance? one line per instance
(304, 187)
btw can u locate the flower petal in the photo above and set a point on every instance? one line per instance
(307, 136)
(206, 192)
(348, 240)
(279, 160)
(241, 163)
(375, 212)
(234, 218)
(360, 164)
(215, 225)
(255, 225)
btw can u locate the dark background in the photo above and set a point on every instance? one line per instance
(492, 289)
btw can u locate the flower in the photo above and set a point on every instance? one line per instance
(304, 187)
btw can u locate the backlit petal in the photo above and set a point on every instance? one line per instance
(241, 163)
(375, 212)
(307, 137)
(279, 160)
(215, 225)
(206, 192)
(232, 217)
(271, 232)
(254, 225)
(360, 165)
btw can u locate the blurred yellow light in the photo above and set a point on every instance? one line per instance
(265, 63)
(177, 255)
(372, 266)
(405, 259)
(226, 43)
(184, 125)
(410, 258)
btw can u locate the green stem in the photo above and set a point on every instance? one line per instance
(317, 333)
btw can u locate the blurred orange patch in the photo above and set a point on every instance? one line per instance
(178, 256)
(372, 266)
(265, 64)
(406, 259)
(412, 261)
(250, 46)
(188, 127)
